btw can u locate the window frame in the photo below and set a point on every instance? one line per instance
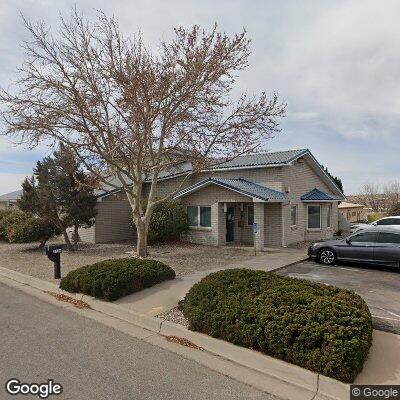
(320, 217)
(329, 214)
(247, 219)
(199, 226)
(291, 221)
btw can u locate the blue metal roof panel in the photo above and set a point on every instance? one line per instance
(317, 195)
(240, 185)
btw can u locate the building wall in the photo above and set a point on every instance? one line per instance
(299, 179)
(353, 214)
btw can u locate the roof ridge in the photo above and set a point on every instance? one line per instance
(273, 152)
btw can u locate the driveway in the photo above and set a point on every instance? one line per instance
(379, 287)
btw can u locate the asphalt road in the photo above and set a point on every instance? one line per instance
(39, 341)
(378, 286)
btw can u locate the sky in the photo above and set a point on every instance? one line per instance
(335, 63)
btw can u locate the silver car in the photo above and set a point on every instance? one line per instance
(380, 246)
(392, 222)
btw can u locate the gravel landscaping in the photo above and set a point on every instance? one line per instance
(184, 258)
(175, 315)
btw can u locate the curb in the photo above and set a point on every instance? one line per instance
(283, 379)
(289, 265)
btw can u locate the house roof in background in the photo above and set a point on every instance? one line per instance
(12, 196)
(345, 204)
(240, 185)
(318, 195)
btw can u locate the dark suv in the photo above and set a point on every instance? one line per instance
(379, 246)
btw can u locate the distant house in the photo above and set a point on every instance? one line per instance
(286, 196)
(353, 212)
(9, 200)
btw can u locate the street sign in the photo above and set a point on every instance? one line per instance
(255, 228)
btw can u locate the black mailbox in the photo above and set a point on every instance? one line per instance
(54, 254)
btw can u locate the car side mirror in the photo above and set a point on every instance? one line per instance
(348, 241)
(374, 224)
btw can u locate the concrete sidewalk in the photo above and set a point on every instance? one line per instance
(163, 297)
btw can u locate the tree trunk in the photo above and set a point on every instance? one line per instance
(141, 246)
(76, 237)
(67, 241)
(43, 242)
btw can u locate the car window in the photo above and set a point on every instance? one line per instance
(364, 237)
(389, 221)
(386, 237)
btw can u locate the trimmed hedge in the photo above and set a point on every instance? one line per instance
(167, 221)
(322, 328)
(112, 279)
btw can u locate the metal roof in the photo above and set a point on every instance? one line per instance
(317, 195)
(240, 185)
(16, 195)
(261, 159)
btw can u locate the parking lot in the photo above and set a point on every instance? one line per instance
(379, 286)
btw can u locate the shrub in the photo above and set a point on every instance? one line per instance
(112, 279)
(374, 216)
(19, 227)
(168, 221)
(322, 328)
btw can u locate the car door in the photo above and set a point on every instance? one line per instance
(387, 248)
(358, 247)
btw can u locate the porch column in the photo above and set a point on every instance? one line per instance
(218, 223)
(259, 220)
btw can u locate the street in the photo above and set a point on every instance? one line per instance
(40, 341)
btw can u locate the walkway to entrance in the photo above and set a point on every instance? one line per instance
(165, 296)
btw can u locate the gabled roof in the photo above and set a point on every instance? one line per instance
(12, 196)
(318, 195)
(241, 186)
(345, 204)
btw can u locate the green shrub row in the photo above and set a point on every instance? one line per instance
(168, 221)
(112, 279)
(322, 328)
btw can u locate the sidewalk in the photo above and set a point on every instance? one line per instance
(166, 295)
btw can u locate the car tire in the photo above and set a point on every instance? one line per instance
(327, 256)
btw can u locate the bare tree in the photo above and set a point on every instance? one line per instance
(371, 196)
(391, 193)
(130, 114)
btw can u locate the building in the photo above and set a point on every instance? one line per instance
(9, 200)
(353, 212)
(285, 196)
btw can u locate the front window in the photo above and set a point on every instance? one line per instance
(293, 215)
(199, 216)
(314, 217)
(193, 215)
(250, 215)
(329, 216)
(205, 216)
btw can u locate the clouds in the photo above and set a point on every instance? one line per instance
(336, 64)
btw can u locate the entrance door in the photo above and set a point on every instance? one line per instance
(230, 224)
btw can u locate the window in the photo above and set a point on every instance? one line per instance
(250, 215)
(193, 215)
(205, 216)
(293, 215)
(364, 237)
(329, 216)
(199, 216)
(314, 217)
(385, 237)
(389, 221)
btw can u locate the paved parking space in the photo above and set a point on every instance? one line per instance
(379, 286)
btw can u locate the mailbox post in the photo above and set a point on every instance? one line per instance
(54, 254)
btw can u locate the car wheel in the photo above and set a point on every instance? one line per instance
(327, 256)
